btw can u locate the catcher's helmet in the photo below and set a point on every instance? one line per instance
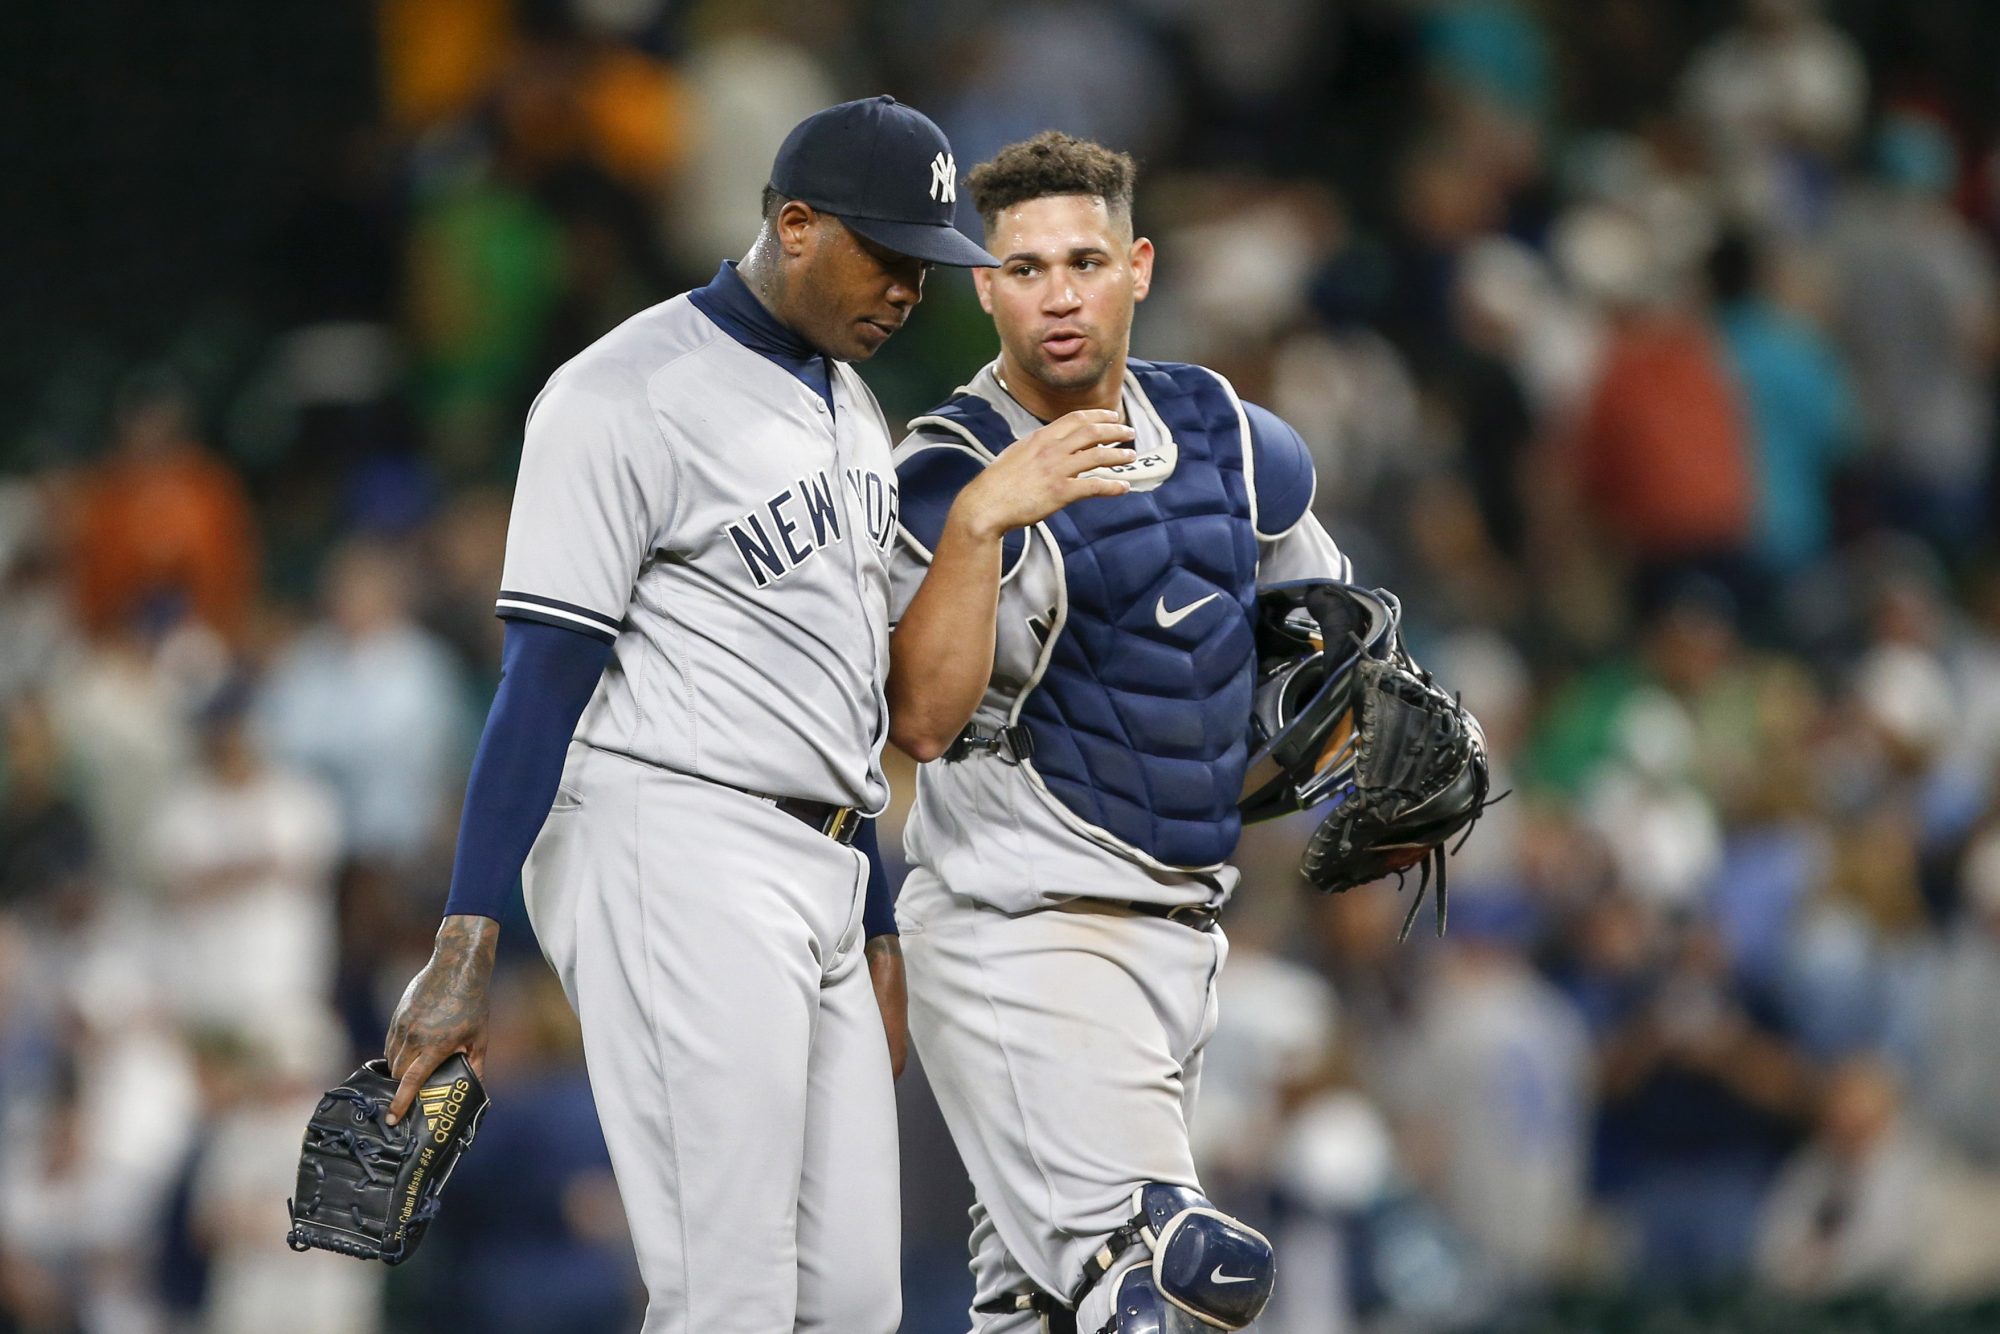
(1310, 634)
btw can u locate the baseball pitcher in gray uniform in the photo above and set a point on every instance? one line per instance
(688, 734)
(1083, 537)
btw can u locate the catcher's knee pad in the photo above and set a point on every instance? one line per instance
(1205, 1264)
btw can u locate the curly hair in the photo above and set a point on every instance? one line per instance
(1052, 163)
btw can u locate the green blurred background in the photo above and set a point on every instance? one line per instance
(1646, 349)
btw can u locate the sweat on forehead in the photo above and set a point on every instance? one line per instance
(1053, 163)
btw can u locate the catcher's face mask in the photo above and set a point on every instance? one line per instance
(1310, 634)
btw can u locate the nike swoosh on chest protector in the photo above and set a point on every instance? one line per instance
(1219, 1277)
(1169, 619)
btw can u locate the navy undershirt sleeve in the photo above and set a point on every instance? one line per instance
(878, 915)
(547, 675)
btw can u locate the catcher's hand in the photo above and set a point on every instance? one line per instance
(367, 1188)
(1420, 776)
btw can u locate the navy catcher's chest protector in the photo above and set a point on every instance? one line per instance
(1140, 717)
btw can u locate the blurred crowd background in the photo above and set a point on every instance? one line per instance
(1648, 353)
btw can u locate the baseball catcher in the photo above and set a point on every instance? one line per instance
(1344, 715)
(370, 1189)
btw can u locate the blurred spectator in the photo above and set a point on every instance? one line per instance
(37, 628)
(1243, 255)
(1492, 680)
(1485, 406)
(1972, 656)
(92, 1133)
(45, 838)
(1106, 81)
(1449, 196)
(1743, 704)
(1645, 806)
(1854, 1208)
(1496, 1098)
(1850, 981)
(1335, 1163)
(1369, 1250)
(439, 56)
(485, 261)
(257, 1092)
(1777, 858)
(1350, 394)
(1702, 1099)
(388, 916)
(121, 721)
(1274, 1042)
(611, 263)
(1660, 458)
(1511, 299)
(245, 855)
(373, 704)
(1918, 694)
(749, 85)
(1494, 48)
(1381, 987)
(463, 551)
(1851, 971)
(1647, 211)
(1450, 563)
(1959, 1063)
(57, 1229)
(1800, 407)
(1624, 57)
(1918, 321)
(1605, 957)
(1778, 96)
(163, 528)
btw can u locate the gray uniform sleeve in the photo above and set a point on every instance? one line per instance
(1305, 551)
(592, 488)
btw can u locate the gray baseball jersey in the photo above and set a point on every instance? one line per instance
(695, 504)
(980, 823)
(686, 499)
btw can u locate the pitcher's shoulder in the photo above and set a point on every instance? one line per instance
(637, 352)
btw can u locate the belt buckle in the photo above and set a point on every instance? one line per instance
(839, 825)
(1200, 916)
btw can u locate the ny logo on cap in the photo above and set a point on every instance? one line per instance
(944, 179)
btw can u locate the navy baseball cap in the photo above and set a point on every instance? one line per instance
(886, 171)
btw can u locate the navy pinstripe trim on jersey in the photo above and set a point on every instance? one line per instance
(561, 620)
(550, 611)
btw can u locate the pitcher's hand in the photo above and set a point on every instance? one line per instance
(443, 1010)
